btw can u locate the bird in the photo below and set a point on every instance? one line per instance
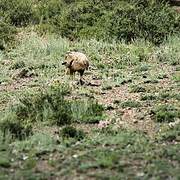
(76, 62)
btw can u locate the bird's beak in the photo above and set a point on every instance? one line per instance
(63, 63)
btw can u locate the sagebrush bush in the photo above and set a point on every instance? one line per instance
(48, 106)
(131, 104)
(7, 34)
(165, 113)
(172, 134)
(52, 108)
(16, 128)
(120, 20)
(19, 12)
(169, 51)
(37, 51)
(87, 111)
(72, 132)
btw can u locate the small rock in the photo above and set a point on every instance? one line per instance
(140, 174)
(75, 156)
(103, 124)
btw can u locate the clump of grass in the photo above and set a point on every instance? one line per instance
(131, 104)
(176, 77)
(137, 89)
(40, 142)
(169, 51)
(5, 161)
(172, 134)
(172, 152)
(107, 87)
(165, 113)
(72, 132)
(152, 81)
(18, 64)
(168, 95)
(142, 68)
(16, 128)
(149, 97)
(87, 111)
(164, 95)
(47, 106)
(119, 82)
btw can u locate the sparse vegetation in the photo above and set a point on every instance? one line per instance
(137, 89)
(170, 135)
(165, 113)
(149, 97)
(71, 132)
(131, 104)
(123, 123)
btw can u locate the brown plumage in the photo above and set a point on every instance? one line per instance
(76, 61)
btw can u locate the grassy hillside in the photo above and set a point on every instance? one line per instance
(124, 124)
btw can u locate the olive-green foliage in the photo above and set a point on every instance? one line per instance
(172, 134)
(16, 128)
(87, 111)
(46, 105)
(118, 20)
(72, 132)
(49, 106)
(19, 12)
(169, 51)
(131, 104)
(137, 89)
(165, 113)
(7, 34)
(121, 20)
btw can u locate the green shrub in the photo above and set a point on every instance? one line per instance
(157, 21)
(165, 113)
(87, 111)
(131, 104)
(149, 97)
(71, 132)
(17, 65)
(7, 34)
(19, 12)
(48, 106)
(119, 20)
(16, 128)
(51, 107)
(137, 89)
(172, 134)
(169, 51)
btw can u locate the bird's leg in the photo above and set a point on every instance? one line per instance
(81, 77)
(67, 71)
(72, 74)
